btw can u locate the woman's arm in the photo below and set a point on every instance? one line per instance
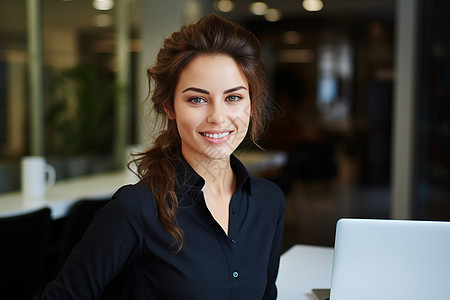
(112, 240)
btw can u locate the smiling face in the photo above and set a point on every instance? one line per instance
(211, 107)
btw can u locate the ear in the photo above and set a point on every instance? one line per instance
(169, 111)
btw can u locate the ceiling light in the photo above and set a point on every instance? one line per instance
(225, 5)
(258, 8)
(273, 15)
(103, 4)
(312, 5)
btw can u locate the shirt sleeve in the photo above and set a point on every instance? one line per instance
(112, 240)
(274, 259)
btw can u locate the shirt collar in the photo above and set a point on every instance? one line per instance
(187, 178)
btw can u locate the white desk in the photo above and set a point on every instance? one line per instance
(60, 197)
(303, 268)
(65, 192)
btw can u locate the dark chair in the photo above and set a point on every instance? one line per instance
(23, 238)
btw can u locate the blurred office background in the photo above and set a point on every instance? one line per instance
(360, 90)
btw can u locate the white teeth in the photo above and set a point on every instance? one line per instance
(217, 135)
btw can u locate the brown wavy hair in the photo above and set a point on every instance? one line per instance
(211, 35)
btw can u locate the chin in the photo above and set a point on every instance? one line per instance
(217, 152)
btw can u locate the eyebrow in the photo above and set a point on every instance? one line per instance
(234, 89)
(196, 90)
(207, 93)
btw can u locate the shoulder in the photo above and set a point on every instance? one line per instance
(138, 190)
(132, 199)
(268, 193)
(264, 186)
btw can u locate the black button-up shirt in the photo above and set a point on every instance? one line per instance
(125, 236)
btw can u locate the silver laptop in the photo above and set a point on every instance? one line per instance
(391, 259)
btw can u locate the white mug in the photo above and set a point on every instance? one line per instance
(37, 176)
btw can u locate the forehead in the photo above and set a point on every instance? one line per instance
(212, 72)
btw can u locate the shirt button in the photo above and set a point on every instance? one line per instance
(233, 211)
(233, 241)
(235, 274)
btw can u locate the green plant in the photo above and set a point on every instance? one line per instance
(79, 112)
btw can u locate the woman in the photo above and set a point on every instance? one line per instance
(196, 226)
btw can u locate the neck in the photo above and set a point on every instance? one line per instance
(217, 173)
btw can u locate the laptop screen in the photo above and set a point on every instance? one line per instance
(391, 259)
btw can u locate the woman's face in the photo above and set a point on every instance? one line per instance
(211, 107)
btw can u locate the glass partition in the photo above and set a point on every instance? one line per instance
(13, 91)
(80, 88)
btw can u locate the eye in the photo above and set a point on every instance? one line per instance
(196, 100)
(234, 98)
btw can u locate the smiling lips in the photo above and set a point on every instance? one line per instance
(216, 137)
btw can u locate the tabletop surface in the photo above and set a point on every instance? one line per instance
(64, 193)
(303, 268)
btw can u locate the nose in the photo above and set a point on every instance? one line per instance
(216, 113)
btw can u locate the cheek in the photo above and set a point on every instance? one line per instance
(183, 116)
(186, 121)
